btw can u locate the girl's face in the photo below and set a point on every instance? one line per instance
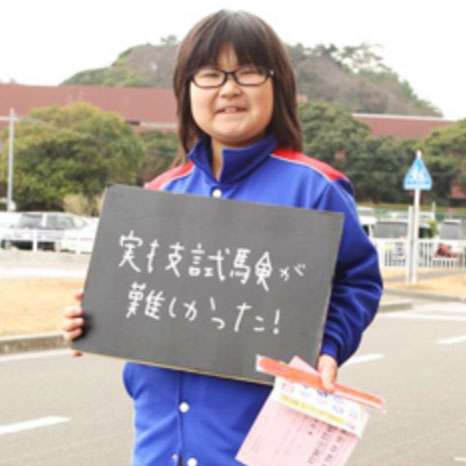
(233, 116)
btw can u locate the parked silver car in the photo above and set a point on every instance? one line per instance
(45, 228)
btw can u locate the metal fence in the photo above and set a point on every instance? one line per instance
(432, 253)
(54, 240)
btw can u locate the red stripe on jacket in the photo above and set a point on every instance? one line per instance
(166, 177)
(321, 167)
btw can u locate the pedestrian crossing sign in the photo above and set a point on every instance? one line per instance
(417, 177)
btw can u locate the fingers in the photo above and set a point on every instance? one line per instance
(69, 325)
(72, 323)
(72, 334)
(328, 370)
(72, 312)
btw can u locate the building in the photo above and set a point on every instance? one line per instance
(401, 126)
(146, 108)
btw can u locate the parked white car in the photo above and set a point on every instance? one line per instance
(368, 219)
(8, 218)
(82, 240)
(397, 228)
(393, 234)
(45, 228)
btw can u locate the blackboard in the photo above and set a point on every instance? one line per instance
(206, 284)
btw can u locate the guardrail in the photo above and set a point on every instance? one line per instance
(432, 253)
(55, 240)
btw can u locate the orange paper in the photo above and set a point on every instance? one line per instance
(277, 368)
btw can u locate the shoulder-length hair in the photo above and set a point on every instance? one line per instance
(254, 41)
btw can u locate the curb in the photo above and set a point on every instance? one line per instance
(398, 305)
(427, 295)
(24, 258)
(37, 342)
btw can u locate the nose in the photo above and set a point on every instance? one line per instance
(230, 87)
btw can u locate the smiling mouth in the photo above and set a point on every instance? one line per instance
(231, 110)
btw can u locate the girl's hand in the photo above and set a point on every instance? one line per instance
(328, 370)
(73, 322)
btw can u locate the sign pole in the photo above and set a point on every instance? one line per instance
(415, 237)
(410, 246)
(9, 202)
(416, 179)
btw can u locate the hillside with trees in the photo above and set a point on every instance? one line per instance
(355, 78)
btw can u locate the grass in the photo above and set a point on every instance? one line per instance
(34, 305)
(451, 285)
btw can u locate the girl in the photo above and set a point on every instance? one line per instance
(238, 127)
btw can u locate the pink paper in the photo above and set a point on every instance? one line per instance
(281, 436)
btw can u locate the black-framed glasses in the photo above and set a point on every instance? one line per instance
(209, 77)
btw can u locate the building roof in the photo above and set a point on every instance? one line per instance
(401, 126)
(149, 106)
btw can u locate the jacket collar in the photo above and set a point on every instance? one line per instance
(237, 163)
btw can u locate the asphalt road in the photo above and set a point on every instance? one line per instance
(55, 410)
(42, 264)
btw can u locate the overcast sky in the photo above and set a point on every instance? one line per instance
(44, 42)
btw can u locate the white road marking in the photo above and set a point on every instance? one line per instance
(459, 459)
(33, 424)
(41, 273)
(364, 358)
(35, 355)
(441, 307)
(413, 315)
(452, 340)
(455, 310)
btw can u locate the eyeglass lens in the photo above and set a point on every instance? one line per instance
(214, 77)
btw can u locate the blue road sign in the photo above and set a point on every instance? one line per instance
(417, 177)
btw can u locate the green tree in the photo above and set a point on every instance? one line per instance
(375, 165)
(328, 131)
(77, 149)
(159, 151)
(445, 155)
(378, 169)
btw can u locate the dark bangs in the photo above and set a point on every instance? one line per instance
(248, 38)
(254, 41)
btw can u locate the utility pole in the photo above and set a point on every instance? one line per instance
(9, 197)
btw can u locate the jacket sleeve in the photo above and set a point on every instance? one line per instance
(357, 285)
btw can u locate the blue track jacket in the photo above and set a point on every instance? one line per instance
(204, 419)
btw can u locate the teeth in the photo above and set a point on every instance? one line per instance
(231, 109)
